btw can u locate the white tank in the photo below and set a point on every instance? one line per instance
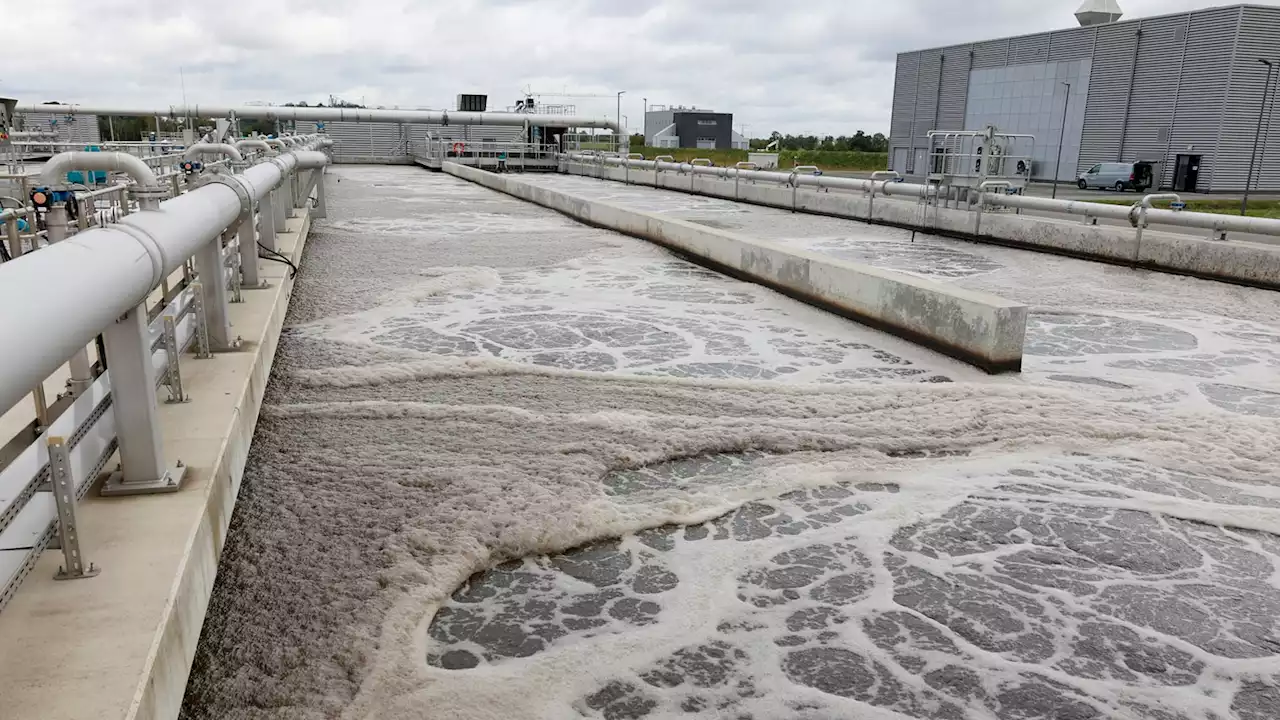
(1098, 12)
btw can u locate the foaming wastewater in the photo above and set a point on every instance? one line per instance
(1194, 342)
(600, 482)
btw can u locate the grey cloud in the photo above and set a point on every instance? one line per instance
(819, 66)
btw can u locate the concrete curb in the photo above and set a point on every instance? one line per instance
(980, 329)
(121, 645)
(164, 678)
(1236, 262)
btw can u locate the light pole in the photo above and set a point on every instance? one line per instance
(644, 122)
(1257, 133)
(1061, 134)
(618, 119)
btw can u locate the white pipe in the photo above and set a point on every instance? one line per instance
(213, 149)
(1127, 213)
(55, 171)
(1069, 207)
(782, 178)
(276, 143)
(89, 280)
(319, 114)
(252, 144)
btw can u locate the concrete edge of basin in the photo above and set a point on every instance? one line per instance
(977, 328)
(160, 692)
(1238, 262)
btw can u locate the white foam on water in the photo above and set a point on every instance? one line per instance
(633, 310)
(854, 546)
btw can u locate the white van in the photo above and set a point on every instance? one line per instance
(1117, 176)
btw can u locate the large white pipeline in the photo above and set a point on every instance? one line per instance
(55, 171)
(1128, 213)
(87, 281)
(319, 114)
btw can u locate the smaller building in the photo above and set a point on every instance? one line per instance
(681, 127)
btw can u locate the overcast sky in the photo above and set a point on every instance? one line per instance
(814, 66)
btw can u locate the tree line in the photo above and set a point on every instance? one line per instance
(859, 141)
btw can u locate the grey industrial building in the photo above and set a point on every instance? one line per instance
(1185, 91)
(690, 128)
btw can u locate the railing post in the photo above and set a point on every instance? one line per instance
(133, 402)
(212, 273)
(278, 201)
(321, 211)
(267, 221)
(64, 498)
(173, 368)
(249, 270)
(14, 236)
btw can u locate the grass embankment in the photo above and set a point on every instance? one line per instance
(1257, 208)
(825, 159)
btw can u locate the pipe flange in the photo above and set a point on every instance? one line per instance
(241, 188)
(142, 193)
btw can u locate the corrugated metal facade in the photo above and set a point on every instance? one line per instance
(1187, 84)
(1154, 92)
(1203, 90)
(1110, 81)
(904, 99)
(956, 65)
(1259, 37)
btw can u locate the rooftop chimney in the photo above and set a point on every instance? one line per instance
(1098, 12)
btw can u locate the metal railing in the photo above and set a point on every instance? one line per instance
(211, 233)
(496, 155)
(1138, 215)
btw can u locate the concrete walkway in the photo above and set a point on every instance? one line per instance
(120, 645)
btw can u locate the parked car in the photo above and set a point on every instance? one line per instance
(1118, 176)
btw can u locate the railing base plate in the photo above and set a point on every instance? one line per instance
(171, 482)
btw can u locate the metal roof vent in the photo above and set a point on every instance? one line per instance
(1098, 12)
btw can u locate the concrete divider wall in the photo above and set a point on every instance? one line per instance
(1233, 261)
(984, 330)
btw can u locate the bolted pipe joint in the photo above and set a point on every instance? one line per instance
(148, 198)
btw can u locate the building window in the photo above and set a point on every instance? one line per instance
(711, 123)
(706, 139)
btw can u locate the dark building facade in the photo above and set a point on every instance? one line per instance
(690, 128)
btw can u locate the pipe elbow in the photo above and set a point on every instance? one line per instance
(213, 149)
(252, 144)
(56, 169)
